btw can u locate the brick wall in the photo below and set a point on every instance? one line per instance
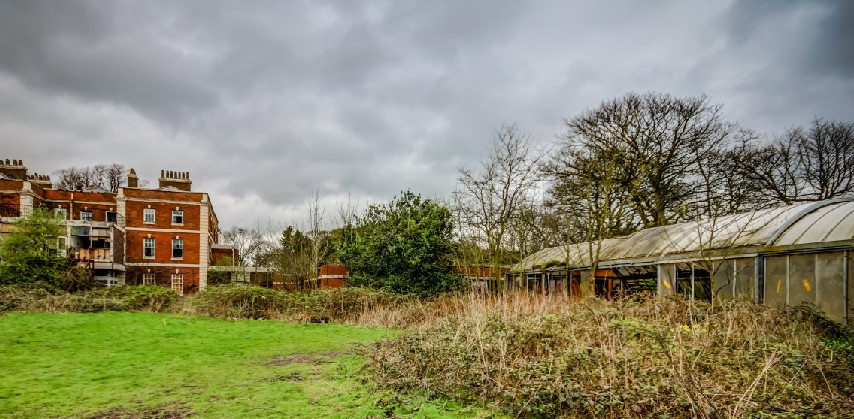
(163, 276)
(134, 213)
(162, 247)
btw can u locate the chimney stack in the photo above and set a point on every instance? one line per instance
(133, 180)
(13, 169)
(43, 181)
(178, 180)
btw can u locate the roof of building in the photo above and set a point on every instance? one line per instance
(821, 222)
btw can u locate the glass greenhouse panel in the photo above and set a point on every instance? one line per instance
(724, 271)
(744, 276)
(776, 286)
(667, 279)
(850, 319)
(802, 279)
(830, 290)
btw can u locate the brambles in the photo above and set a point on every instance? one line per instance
(605, 359)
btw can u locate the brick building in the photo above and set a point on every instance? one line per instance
(136, 235)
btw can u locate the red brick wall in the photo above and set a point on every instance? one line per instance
(163, 195)
(333, 270)
(162, 247)
(12, 200)
(97, 203)
(162, 215)
(332, 283)
(11, 185)
(223, 254)
(163, 276)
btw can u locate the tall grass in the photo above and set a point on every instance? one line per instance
(340, 305)
(542, 357)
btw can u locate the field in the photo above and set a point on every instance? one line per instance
(134, 365)
(465, 355)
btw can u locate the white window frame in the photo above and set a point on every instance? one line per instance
(148, 278)
(146, 241)
(87, 217)
(61, 212)
(148, 216)
(177, 244)
(180, 214)
(178, 283)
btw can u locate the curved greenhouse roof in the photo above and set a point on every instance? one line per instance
(824, 223)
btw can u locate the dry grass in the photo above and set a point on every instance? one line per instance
(546, 357)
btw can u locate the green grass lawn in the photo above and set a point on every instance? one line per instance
(120, 364)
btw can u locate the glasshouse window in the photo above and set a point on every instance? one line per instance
(830, 289)
(776, 285)
(801, 279)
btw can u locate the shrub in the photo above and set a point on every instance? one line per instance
(339, 305)
(20, 296)
(121, 298)
(78, 278)
(614, 359)
(238, 301)
(144, 297)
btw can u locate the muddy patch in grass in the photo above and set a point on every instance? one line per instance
(292, 377)
(318, 358)
(171, 410)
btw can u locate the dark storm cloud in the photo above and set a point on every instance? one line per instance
(825, 47)
(82, 49)
(265, 101)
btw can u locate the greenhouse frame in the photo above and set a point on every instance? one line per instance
(787, 255)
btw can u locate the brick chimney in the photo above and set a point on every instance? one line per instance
(178, 180)
(14, 169)
(133, 180)
(42, 181)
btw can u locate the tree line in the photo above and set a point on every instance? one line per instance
(632, 162)
(639, 161)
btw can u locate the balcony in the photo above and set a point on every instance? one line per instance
(97, 255)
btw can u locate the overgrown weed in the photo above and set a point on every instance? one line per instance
(547, 357)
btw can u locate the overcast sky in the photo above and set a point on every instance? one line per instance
(265, 101)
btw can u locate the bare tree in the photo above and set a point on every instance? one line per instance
(249, 242)
(488, 200)
(803, 164)
(661, 143)
(112, 175)
(316, 233)
(774, 170)
(826, 154)
(101, 176)
(586, 190)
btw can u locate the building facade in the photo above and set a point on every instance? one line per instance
(161, 236)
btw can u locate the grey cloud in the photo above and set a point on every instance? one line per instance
(79, 49)
(818, 33)
(273, 99)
